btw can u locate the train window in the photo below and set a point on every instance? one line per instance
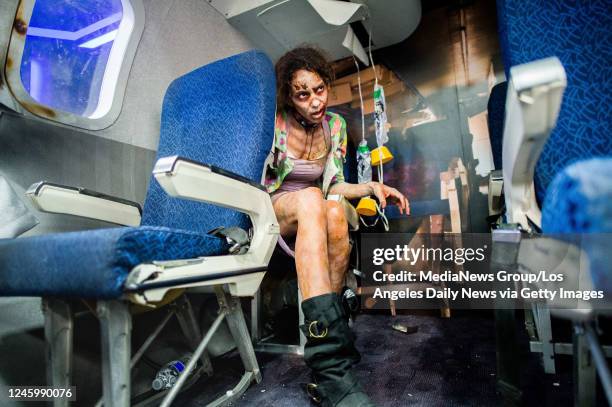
(74, 58)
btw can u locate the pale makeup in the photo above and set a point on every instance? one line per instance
(309, 95)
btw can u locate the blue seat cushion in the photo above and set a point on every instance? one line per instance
(95, 263)
(579, 201)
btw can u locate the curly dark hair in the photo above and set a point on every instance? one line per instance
(304, 57)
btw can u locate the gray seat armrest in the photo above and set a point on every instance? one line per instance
(533, 101)
(68, 200)
(186, 179)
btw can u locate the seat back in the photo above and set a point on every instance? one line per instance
(578, 34)
(220, 114)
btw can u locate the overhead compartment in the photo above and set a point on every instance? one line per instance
(338, 27)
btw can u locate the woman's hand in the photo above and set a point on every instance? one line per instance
(382, 192)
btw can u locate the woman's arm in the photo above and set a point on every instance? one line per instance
(381, 191)
(351, 191)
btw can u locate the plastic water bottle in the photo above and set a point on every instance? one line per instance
(168, 375)
(380, 115)
(364, 163)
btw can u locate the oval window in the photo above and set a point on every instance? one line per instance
(72, 58)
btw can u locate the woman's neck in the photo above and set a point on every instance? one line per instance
(302, 121)
(305, 143)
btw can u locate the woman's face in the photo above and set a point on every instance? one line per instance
(309, 95)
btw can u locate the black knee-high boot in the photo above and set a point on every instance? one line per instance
(330, 352)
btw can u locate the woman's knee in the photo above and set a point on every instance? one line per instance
(336, 219)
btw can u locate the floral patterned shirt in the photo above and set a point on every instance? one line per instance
(281, 165)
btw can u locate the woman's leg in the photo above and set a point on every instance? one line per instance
(329, 350)
(338, 248)
(307, 209)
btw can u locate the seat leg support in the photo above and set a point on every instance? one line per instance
(191, 329)
(544, 331)
(530, 325)
(59, 331)
(584, 370)
(116, 331)
(256, 314)
(599, 359)
(505, 252)
(508, 366)
(238, 328)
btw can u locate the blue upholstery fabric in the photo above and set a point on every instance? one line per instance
(93, 263)
(221, 114)
(578, 33)
(579, 201)
(495, 116)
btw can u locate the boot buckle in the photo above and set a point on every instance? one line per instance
(311, 389)
(315, 332)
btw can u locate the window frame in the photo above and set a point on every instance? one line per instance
(12, 70)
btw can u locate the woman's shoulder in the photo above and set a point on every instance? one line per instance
(330, 116)
(281, 117)
(336, 121)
